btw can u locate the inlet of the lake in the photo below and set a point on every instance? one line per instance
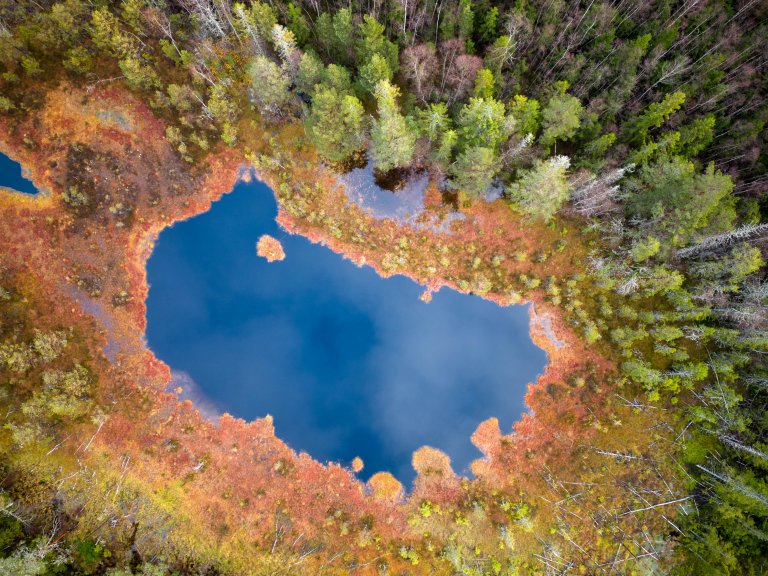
(12, 176)
(348, 363)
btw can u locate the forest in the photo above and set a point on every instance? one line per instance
(629, 137)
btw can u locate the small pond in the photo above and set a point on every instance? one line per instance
(348, 363)
(12, 176)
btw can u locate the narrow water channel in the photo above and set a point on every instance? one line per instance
(12, 176)
(348, 363)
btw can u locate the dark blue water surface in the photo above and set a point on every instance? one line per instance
(11, 176)
(348, 364)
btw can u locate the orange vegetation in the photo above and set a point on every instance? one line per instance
(270, 248)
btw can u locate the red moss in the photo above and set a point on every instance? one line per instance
(270, 248)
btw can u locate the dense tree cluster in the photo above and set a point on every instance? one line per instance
(645, 120)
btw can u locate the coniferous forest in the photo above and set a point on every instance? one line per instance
(625, 140)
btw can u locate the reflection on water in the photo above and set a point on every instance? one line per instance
(349, 364)
(404, 205)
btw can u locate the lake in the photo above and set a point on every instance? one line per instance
(348, 363)
(12, 176)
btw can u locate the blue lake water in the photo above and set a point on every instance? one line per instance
(12, 176)
(348, 364)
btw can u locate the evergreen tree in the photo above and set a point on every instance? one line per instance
(526, 113)
(297, 24)
(433, 120)
(696, 136)
(269, 85)
(335, 124)
(542, 190)
(138, 74)
(338, 77)
(726, 273)
(484, 84)
(474, 170)
(466, 21)
(677, 202)
(561, 117)
(500, 54)
(656, 114)
(343, 37)
(488, 23)
(372, 40)
(594, 151)
(255, 23)
(435, 125)
(374, 72)
(324, 34)
(393, 136)
(310, 72)
(483, 122)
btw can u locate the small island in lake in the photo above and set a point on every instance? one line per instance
(270, 248)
